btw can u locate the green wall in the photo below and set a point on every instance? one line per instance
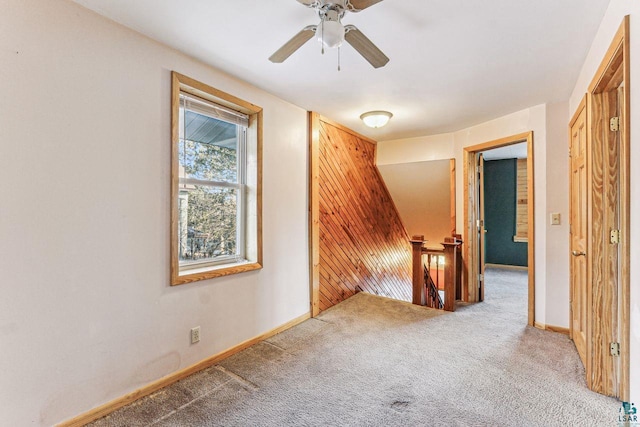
(500, 214)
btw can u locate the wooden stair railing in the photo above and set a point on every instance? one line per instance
(424, 288)
(434, 256)
(433, 298)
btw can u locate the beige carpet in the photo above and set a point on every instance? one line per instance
(372, 361)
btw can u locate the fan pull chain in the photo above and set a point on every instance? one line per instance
(338, 58)
(322, 30)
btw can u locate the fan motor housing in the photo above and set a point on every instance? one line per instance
(331, 12)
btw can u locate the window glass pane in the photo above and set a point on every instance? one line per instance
(208, 148)
(207, 222)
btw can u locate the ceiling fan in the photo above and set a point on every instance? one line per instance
(331, 32)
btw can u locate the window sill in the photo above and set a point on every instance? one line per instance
(196, 274)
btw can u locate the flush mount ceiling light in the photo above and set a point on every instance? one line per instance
(376, 119)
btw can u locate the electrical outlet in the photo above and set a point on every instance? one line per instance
(195, 335)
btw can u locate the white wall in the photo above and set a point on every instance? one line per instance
(421, 192)
(610, 24)
(87, 313)
(420, 149)
(557, 200)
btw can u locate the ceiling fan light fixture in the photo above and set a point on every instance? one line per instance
(376, 119)
(331, 33)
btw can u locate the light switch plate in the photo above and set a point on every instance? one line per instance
(555, 219)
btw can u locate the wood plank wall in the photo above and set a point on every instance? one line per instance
(363, 245)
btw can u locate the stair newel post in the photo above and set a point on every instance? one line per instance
(450, 272)
(418, 270)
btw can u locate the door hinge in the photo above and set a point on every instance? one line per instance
(614, 124)
(480, 277)
(615, 348)
(615, 237)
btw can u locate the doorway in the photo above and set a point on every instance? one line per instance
(474, 223)
(505, 206)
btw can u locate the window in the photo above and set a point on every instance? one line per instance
(216, 221)
(522, 220)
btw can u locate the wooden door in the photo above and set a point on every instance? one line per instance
(606, 298)
(481, 229)
(578, 230)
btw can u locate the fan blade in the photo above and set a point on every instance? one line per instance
(357, 5)
(309, 3)
(294, 44)
(365, 47)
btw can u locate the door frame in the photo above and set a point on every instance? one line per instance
(470, 176)
(604, 325)
(481, 233)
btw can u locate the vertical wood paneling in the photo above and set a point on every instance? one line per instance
(362, 244)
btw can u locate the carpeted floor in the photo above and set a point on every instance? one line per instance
(372, 361)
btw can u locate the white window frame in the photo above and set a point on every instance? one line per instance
(249, 222)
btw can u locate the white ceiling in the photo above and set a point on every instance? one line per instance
(454, 63)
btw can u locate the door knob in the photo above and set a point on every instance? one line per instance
(578, 253)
